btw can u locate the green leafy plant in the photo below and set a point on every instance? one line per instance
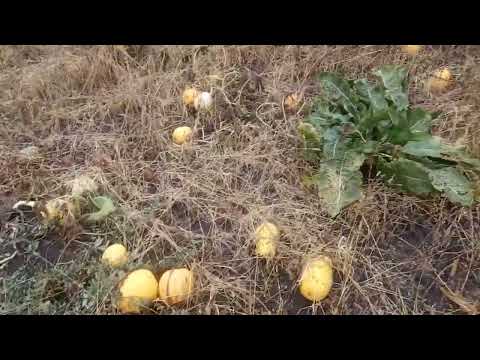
(356, 120)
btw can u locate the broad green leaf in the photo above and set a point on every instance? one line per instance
(353, 160)
(454, 184)
(398, 133)
(419, 121)
(105, 208)
(333, 145)
(432, 146)
(325, 115)
(394, 78)
(327, 119)
(373, 95)
(460, 155)
(431, 163)
(407, 174)
(370, 147)
(368, 121)
(337, 187)
(338, 91)
(312, 142)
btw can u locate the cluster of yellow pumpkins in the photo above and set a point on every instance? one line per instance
(203, 101)
(200, 101)
(441, 79)
(140, 288)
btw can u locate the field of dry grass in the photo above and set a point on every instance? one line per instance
(109, 111)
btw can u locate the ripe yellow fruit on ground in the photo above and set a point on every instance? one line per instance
(266, 247)
(440, 81)
(137, 291)
(189, 96)
(412, 50)
(176, 286)
(443, 74)
(268, 230)
(317, 279)
(292, 101)
(266, 240)
(182, 135)
(115, 255)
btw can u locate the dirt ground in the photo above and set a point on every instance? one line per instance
(109, 112)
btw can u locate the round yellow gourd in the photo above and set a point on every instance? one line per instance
(266, 240)
(266, 247)
(182, 135)
(291, 102)
(189, 96)
(115, 255)
(176, 286)
(137, 291)
(440, 81)
(412, 50)
(443, 74)
(267, 229)
(317, 279)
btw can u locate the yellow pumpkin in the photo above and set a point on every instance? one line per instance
(266, 247)
(443, 74)
(137, 291)
(267, 229)
(115, 255)
(266, 240)
(292, 102)
(182, 135)
(412, 50)
(189, 96)
(317, 279)
(440, 81)
(176, 286)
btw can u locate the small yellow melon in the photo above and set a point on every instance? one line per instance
(115, 255)
(292, 102)
(176, 286)
(443, 74)
(412, 50)
(182, 135)
(137, 291)
(189, 96)
(317, 279)
(440, 81)
(266, 240)
(266, 247)
(267, 229)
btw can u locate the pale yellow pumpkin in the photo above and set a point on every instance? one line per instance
(176, 286)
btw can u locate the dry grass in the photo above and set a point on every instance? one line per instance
(108, 111)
